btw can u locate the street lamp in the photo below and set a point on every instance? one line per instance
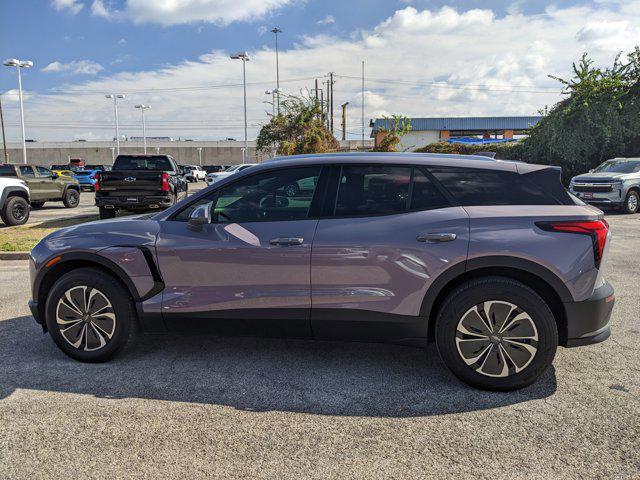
(273, 93)
(142, 108)
(113, 154)
(200, 155)
(14, 62)
(115, 111)
(244, 56)
(276, 31)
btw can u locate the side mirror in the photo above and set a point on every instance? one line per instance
(200, 216)
(591, 171)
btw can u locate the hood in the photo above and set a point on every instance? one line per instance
(599, 177)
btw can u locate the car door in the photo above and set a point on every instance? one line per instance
(390, 233)
(37, 189)
(50, 188)
(248, 270)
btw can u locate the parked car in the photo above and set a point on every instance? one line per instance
(214, 177)
(612, 184)
(98, 166)
(213, 168)
(195, 174)
(139, 183)
(44, 185)
(492, 260)
(86, 178)
(76, 163)
(14, 201)
(64, 173)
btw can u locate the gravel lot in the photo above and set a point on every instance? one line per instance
(196, 406)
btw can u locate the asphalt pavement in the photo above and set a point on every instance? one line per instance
(201, 406)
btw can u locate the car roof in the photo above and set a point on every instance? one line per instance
(432, 159)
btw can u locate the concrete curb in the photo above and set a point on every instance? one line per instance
(14, 255)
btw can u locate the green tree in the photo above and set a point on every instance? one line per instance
(400, 125)
(298, 129)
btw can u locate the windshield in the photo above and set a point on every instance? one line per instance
(130, 162)
(618, 166)
(233, 169)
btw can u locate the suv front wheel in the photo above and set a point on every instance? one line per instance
(631, 202)
(496, 333)
(15, 211)
(71, 198)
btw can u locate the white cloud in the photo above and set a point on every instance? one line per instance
(171, 12)
(122, 41)
(441, 62)
(73, 6)
(81, 67)
(328, 20)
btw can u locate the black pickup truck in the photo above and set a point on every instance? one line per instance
(139, 183)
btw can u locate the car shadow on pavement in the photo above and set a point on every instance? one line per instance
(325, 378)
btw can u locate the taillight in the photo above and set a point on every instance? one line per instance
(165, 182)
(96, 186)
(596, 229)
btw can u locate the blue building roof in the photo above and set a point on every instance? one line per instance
(462, 123)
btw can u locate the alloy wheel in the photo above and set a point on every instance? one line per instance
(86, 318)
(632, 203)
(496, 338)
(18, 211)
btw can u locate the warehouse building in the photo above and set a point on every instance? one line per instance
(440, 129)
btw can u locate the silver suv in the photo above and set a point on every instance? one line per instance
(614, 183)
(492, 260)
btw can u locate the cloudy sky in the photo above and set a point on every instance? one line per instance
(422, 58)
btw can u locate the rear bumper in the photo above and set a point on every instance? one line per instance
(142, 203)
(588, 321)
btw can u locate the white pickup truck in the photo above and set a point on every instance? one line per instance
(14, 201)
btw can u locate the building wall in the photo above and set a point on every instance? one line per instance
(417, 139)
(213, 153)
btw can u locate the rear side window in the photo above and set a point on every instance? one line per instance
(477, 187)
(373, 190)
(424, 194)
(7, 171)
(27, 171)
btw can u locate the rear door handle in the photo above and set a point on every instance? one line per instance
(436, 237)
(285, 241)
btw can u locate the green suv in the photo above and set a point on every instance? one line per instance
(44, 185)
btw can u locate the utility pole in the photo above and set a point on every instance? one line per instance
(276, 31)
(330, 99)
(363, 104)
(4, 137)
(344, 120)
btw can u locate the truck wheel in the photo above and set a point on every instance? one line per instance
(107, 213)
(37, 204)
(496, 333)
(631, 202)
(15, 211)
(71, 198)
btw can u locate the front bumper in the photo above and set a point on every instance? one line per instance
(614, 198)
(588, 321)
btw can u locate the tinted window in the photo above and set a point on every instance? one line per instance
(26, 171)
(372, 190)
(44, 172)
(490, 187)
(127, 162)
(7, 171)
(271, 196)
(425, 195)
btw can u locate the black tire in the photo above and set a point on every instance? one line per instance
(457, 312)
(631, 202)
(106, 213)
(15, 211)
(71, 198)
(37, 204)
(123, 328)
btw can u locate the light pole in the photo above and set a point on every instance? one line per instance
(200, 155)
(273, 94)
(244, 56)
(115, 111)
(142, 108)
(19, 64)
(276, 31)
(113, 154)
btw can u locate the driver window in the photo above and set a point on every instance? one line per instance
(272, 196)
(44, 172)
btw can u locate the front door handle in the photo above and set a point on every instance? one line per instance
(285, 241)
(436, 237)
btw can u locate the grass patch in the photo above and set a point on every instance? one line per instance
(24, 237)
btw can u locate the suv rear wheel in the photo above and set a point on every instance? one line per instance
(107, 213)
(15, 211)
(631, 202)
(71, 198)
(90, 315)
(496, 333)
